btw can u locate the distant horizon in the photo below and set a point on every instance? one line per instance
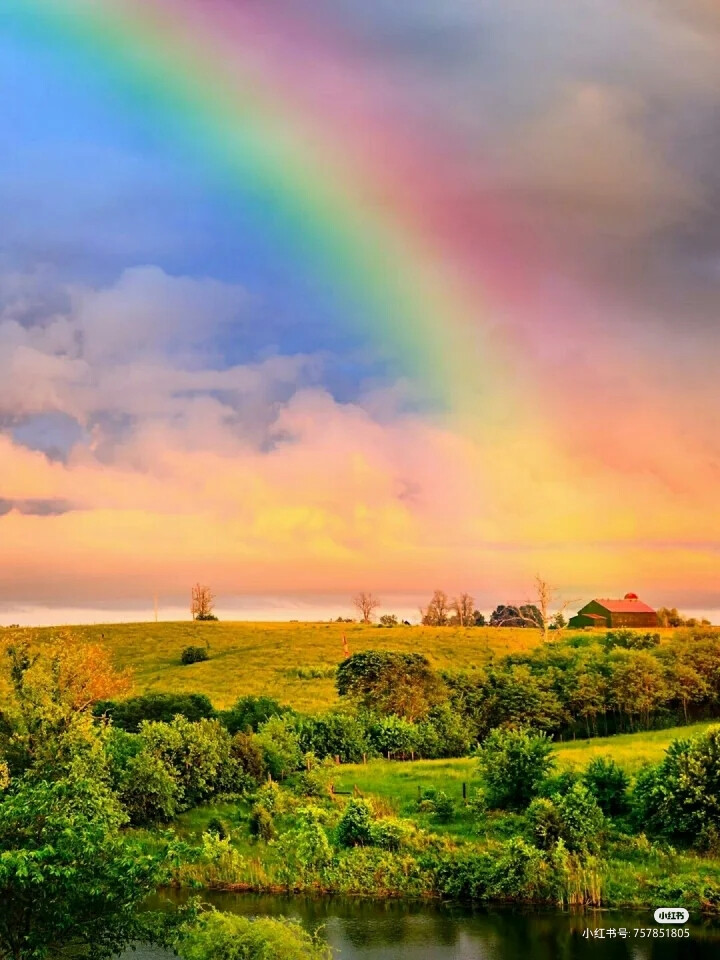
(279, 612)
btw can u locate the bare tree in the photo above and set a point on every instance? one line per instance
(202, 600)
(464, 606)
(366, 605)
(436, 613)
(547, 597)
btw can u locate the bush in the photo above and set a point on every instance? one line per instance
(148, 789)
(218, 828)
(680, 797)
(197, 755)
(129, 714)
(227, 936)
(388, 620)
(355, 827)
(389, 833)
(194, 655)
(545, 822)
(247, 754)
(249, 713)
(279, 740)
(334, 734)
(513, 764)
(261, 823)
(608, 783)
(575, 819)
(444, 807)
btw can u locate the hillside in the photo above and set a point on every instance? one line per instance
(293, 662)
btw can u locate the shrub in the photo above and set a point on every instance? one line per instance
(513, 764)
(197, 754)
(355, 827)
(278, 738)
(194, 655)
(581, 819)
(227, 936)
(388, 620)
(129, 714)
(335, 734)
(148, 789)
(218, 828)
(249, 713)
(247, 754)
(680, 797)
(389, 833)
(261, 823)
(393, 736)
(608, 783)
(315, 779)
(444, 807)
(545, 822)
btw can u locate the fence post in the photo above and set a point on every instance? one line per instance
(464, 790)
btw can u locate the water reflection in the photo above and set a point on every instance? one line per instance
(396, 930)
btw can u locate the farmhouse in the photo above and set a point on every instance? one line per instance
(628, 612)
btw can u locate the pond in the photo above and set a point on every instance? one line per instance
(399, 930)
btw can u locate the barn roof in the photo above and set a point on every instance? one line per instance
(624, 606)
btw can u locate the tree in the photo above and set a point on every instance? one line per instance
(400, 683)
(46, 700)
(69, 880)
(202, 601)
(688, 685)
(436, 612)
(638, 684)
(366, 605)
(507, 615)
(463, 606)
(479, 618)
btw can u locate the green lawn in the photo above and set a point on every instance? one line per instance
(264, 658)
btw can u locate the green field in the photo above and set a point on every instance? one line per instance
(265, 658)
(396, 785)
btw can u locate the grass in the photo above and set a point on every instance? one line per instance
(293, 662)
(397, 784)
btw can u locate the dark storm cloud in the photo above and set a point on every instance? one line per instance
(36, 507)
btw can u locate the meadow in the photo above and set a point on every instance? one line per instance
(293, 662)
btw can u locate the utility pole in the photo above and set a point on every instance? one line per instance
(155, 606)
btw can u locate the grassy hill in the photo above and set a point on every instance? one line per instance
(293, 662)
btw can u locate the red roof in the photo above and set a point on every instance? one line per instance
(625, 606)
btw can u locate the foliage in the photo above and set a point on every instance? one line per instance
(513, 764)
(279, 740)
(129, 714)
(261, 823)
(67, 875)
(148, 789)
(608, 783)
(249, 713)
(247, 754)
(388, 620)
(681, 796)
(226, 936)
(198, 754)
(218, 827)
(194, 655)
(403, 684)
(335, 734)
(355, 827)
(393, 736)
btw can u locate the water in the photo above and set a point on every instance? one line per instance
(397, 930)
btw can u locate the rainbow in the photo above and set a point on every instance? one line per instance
(355, 196)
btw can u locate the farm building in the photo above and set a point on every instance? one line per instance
(628, 612)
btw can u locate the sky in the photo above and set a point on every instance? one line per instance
(304, 298)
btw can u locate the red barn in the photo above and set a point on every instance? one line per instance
(628, 612)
